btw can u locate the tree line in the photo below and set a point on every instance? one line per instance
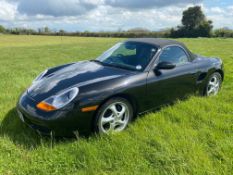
(193, 24)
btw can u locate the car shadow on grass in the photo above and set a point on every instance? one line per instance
(20, 134)
(11, 127)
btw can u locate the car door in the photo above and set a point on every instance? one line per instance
(167, 85)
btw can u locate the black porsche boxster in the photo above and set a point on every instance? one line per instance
(105, 94)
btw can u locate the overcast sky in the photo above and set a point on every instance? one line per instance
(108, 15)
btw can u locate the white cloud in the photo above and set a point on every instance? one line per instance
(95, 15)
(109, 18)
(78, 7)
(7, 10)
(56, 7)
(216, 10)
(142, 4)
(221, 16)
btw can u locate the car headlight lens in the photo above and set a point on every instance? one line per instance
(58, 101)
(40, 76)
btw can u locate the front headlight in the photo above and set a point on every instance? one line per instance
(58, 101)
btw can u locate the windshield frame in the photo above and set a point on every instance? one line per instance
(124, 66)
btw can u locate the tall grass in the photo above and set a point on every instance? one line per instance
(194, 136)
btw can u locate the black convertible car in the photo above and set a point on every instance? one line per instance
(105, 94)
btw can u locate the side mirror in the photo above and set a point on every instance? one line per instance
(165, 65)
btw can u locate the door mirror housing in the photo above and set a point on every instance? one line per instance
(165, 65)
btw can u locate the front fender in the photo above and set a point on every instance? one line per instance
(207, 67)
(133, 87)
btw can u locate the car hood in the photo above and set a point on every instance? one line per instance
(74, 75)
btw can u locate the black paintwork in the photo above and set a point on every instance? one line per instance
(97, 83)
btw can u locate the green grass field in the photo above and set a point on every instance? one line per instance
(191, 137)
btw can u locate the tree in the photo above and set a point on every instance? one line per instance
(46, 30)
(193, 17)
(138, 30)
(2, 29)
(205, 28)
(223, 32)
(194, 24)
(62, 32)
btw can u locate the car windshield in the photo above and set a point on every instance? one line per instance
(129, 55)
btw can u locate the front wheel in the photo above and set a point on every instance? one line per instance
(113, 116)
(213, 85)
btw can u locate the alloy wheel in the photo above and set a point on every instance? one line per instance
(213, 85)
(114, 118)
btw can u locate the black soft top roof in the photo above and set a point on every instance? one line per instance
(161, 43)
(156, 41)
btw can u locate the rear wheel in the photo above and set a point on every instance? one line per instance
(113, 116)
(213, 85)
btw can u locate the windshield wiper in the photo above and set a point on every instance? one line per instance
(100, 62)
(103, 63)
(97, 61)
(114, 65)
(121, 66)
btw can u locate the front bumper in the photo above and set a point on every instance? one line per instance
(59, 123)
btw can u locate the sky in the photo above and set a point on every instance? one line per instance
(109, 15)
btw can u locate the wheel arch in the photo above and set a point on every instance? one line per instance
(221, 73)
(128, 97)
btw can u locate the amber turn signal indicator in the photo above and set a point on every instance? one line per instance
(45, 107)
(91, 108)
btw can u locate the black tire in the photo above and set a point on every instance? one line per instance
(219, 77)
(113, 101)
